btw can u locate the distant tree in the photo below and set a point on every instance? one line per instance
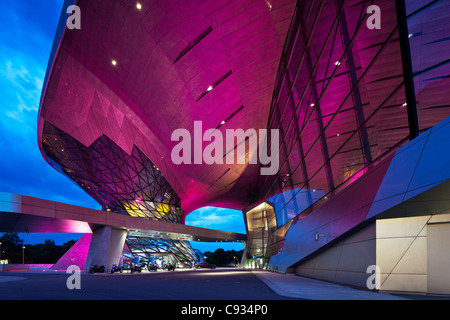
(66, 246)
(47, 252)
(220, 257)
(11, 247)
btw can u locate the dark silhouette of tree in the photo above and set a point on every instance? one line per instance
(46, 253)
(11, 247)
(220, 257)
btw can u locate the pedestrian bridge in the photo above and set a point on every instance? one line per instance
(19, 213)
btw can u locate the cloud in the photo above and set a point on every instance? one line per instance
(21, 90)
(26, 37)
(217, 218)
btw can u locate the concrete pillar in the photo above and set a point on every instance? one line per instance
(106, 247)
(244, 255)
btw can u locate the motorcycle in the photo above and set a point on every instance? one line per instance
(97, 269)
(136, 268)
(170, 267)
(152, 267)
(116, 268)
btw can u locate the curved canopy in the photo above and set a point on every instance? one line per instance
(137, 74)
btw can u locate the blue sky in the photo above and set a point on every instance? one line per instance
(27, 29)
(219, 219)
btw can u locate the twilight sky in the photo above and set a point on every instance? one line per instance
(27, 29)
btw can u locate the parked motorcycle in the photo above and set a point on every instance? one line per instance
(136, 268)
(97, 269)
(152, 267)
(170, 267)
(116, 268)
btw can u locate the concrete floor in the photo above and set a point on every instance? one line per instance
(204, 284)
(219, 284)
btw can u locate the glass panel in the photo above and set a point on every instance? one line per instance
(356, 94)
(429, 32)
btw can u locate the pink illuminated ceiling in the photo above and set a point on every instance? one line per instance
(167, 54)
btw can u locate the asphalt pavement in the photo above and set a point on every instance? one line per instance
(226, 284)
(204, 284)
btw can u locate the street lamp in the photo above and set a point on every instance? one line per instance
(23, 246)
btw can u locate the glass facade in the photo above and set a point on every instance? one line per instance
(340, 101)
(122, 183)
(261, 224)
(348, 92)
(119, 182)
(428, 33)
(169, 251)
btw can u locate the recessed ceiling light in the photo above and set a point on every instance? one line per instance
(209, 88)
(223, 122)
(312, 105)
(139, 6)
(337, 63)
(114, 62)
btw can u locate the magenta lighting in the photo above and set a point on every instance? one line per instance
(316, 119)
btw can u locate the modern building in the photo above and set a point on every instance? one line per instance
(356, 90)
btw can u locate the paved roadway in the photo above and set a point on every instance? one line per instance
(225, 284)
(204, 284)
(217, 293)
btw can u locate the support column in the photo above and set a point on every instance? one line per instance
(260, 224)
(353, 80)
(408, 77)
(315, 92)
(106, 247)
